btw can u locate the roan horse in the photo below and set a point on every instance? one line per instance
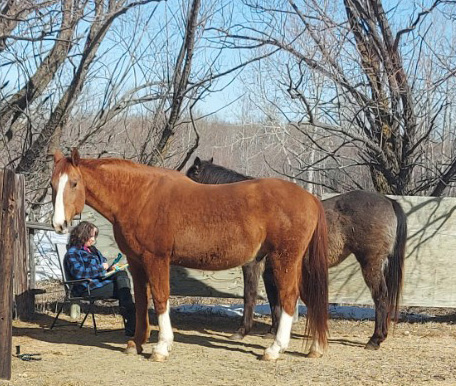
(161, 217)
(369, 225)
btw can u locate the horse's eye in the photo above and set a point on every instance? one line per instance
(73, 184)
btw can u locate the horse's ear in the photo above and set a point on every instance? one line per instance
(211, 160)
(75, 157)
(197, 161)
(58, 155)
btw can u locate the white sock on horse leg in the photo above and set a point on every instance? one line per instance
(165, 334)
(282, 338)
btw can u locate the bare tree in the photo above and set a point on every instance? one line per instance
(82, 73)
(381, 108)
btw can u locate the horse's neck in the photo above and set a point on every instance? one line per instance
(104, 192)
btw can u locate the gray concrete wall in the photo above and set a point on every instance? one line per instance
(430, 268)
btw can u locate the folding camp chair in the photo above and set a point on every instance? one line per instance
(69, 297)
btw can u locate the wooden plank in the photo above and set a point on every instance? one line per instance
(31, 257)
(23, 296)
(8, 208)
(39, 226)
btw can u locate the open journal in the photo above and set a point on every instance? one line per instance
(122, 267)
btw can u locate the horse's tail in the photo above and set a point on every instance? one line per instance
(314, 290)
(394, 270)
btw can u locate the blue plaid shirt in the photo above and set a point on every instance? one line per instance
(81, 264)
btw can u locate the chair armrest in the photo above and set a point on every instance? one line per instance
(77, 281)
(72, 283)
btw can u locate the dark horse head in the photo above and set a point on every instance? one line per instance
(206, 172)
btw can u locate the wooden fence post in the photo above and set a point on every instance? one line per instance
(24, 299)
(8, 211)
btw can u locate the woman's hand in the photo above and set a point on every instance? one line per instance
(105, 266)
(114, 267)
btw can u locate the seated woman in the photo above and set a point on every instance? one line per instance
(84, 261)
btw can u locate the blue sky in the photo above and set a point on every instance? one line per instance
(152, 46)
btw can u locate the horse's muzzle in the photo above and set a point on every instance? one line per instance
(61, 228)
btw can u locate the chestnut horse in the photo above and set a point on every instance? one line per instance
(369, 225)
(161, 217)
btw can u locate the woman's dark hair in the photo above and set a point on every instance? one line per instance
(81, 233)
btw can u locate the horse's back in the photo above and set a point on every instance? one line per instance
(259, 194)
(269, 201)
(361, 204)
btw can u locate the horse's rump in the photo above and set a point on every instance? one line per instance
(359, 222)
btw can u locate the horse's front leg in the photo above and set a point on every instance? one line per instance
(142, 295)
(158, 270)
(251, 273)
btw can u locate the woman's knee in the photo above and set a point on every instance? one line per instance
(122, 280)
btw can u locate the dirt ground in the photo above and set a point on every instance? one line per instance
(416, 353)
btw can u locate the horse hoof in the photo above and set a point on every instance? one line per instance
(372, 346)
(130, 351)
(132, 348)
(314, 354)
(269, 357)
(236, 336)
(156, 357)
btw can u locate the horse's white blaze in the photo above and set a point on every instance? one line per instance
(282, 338)
(165, 334)
(59, 207)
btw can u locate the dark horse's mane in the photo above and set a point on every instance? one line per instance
(205, 172)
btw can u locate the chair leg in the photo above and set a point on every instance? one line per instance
(94, 323)
(57, 316)
(85, 317)
(90, 310)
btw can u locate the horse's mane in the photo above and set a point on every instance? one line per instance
(126, 164)
(210, 173)
(97, 162)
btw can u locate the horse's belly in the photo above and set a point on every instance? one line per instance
(215, 259)
(218, 246)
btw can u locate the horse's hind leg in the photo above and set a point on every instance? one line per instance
(273, 297)
(251, 273)
(286, 279)
(142, 295)
(373, 274)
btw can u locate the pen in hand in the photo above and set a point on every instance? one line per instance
(116, 260)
